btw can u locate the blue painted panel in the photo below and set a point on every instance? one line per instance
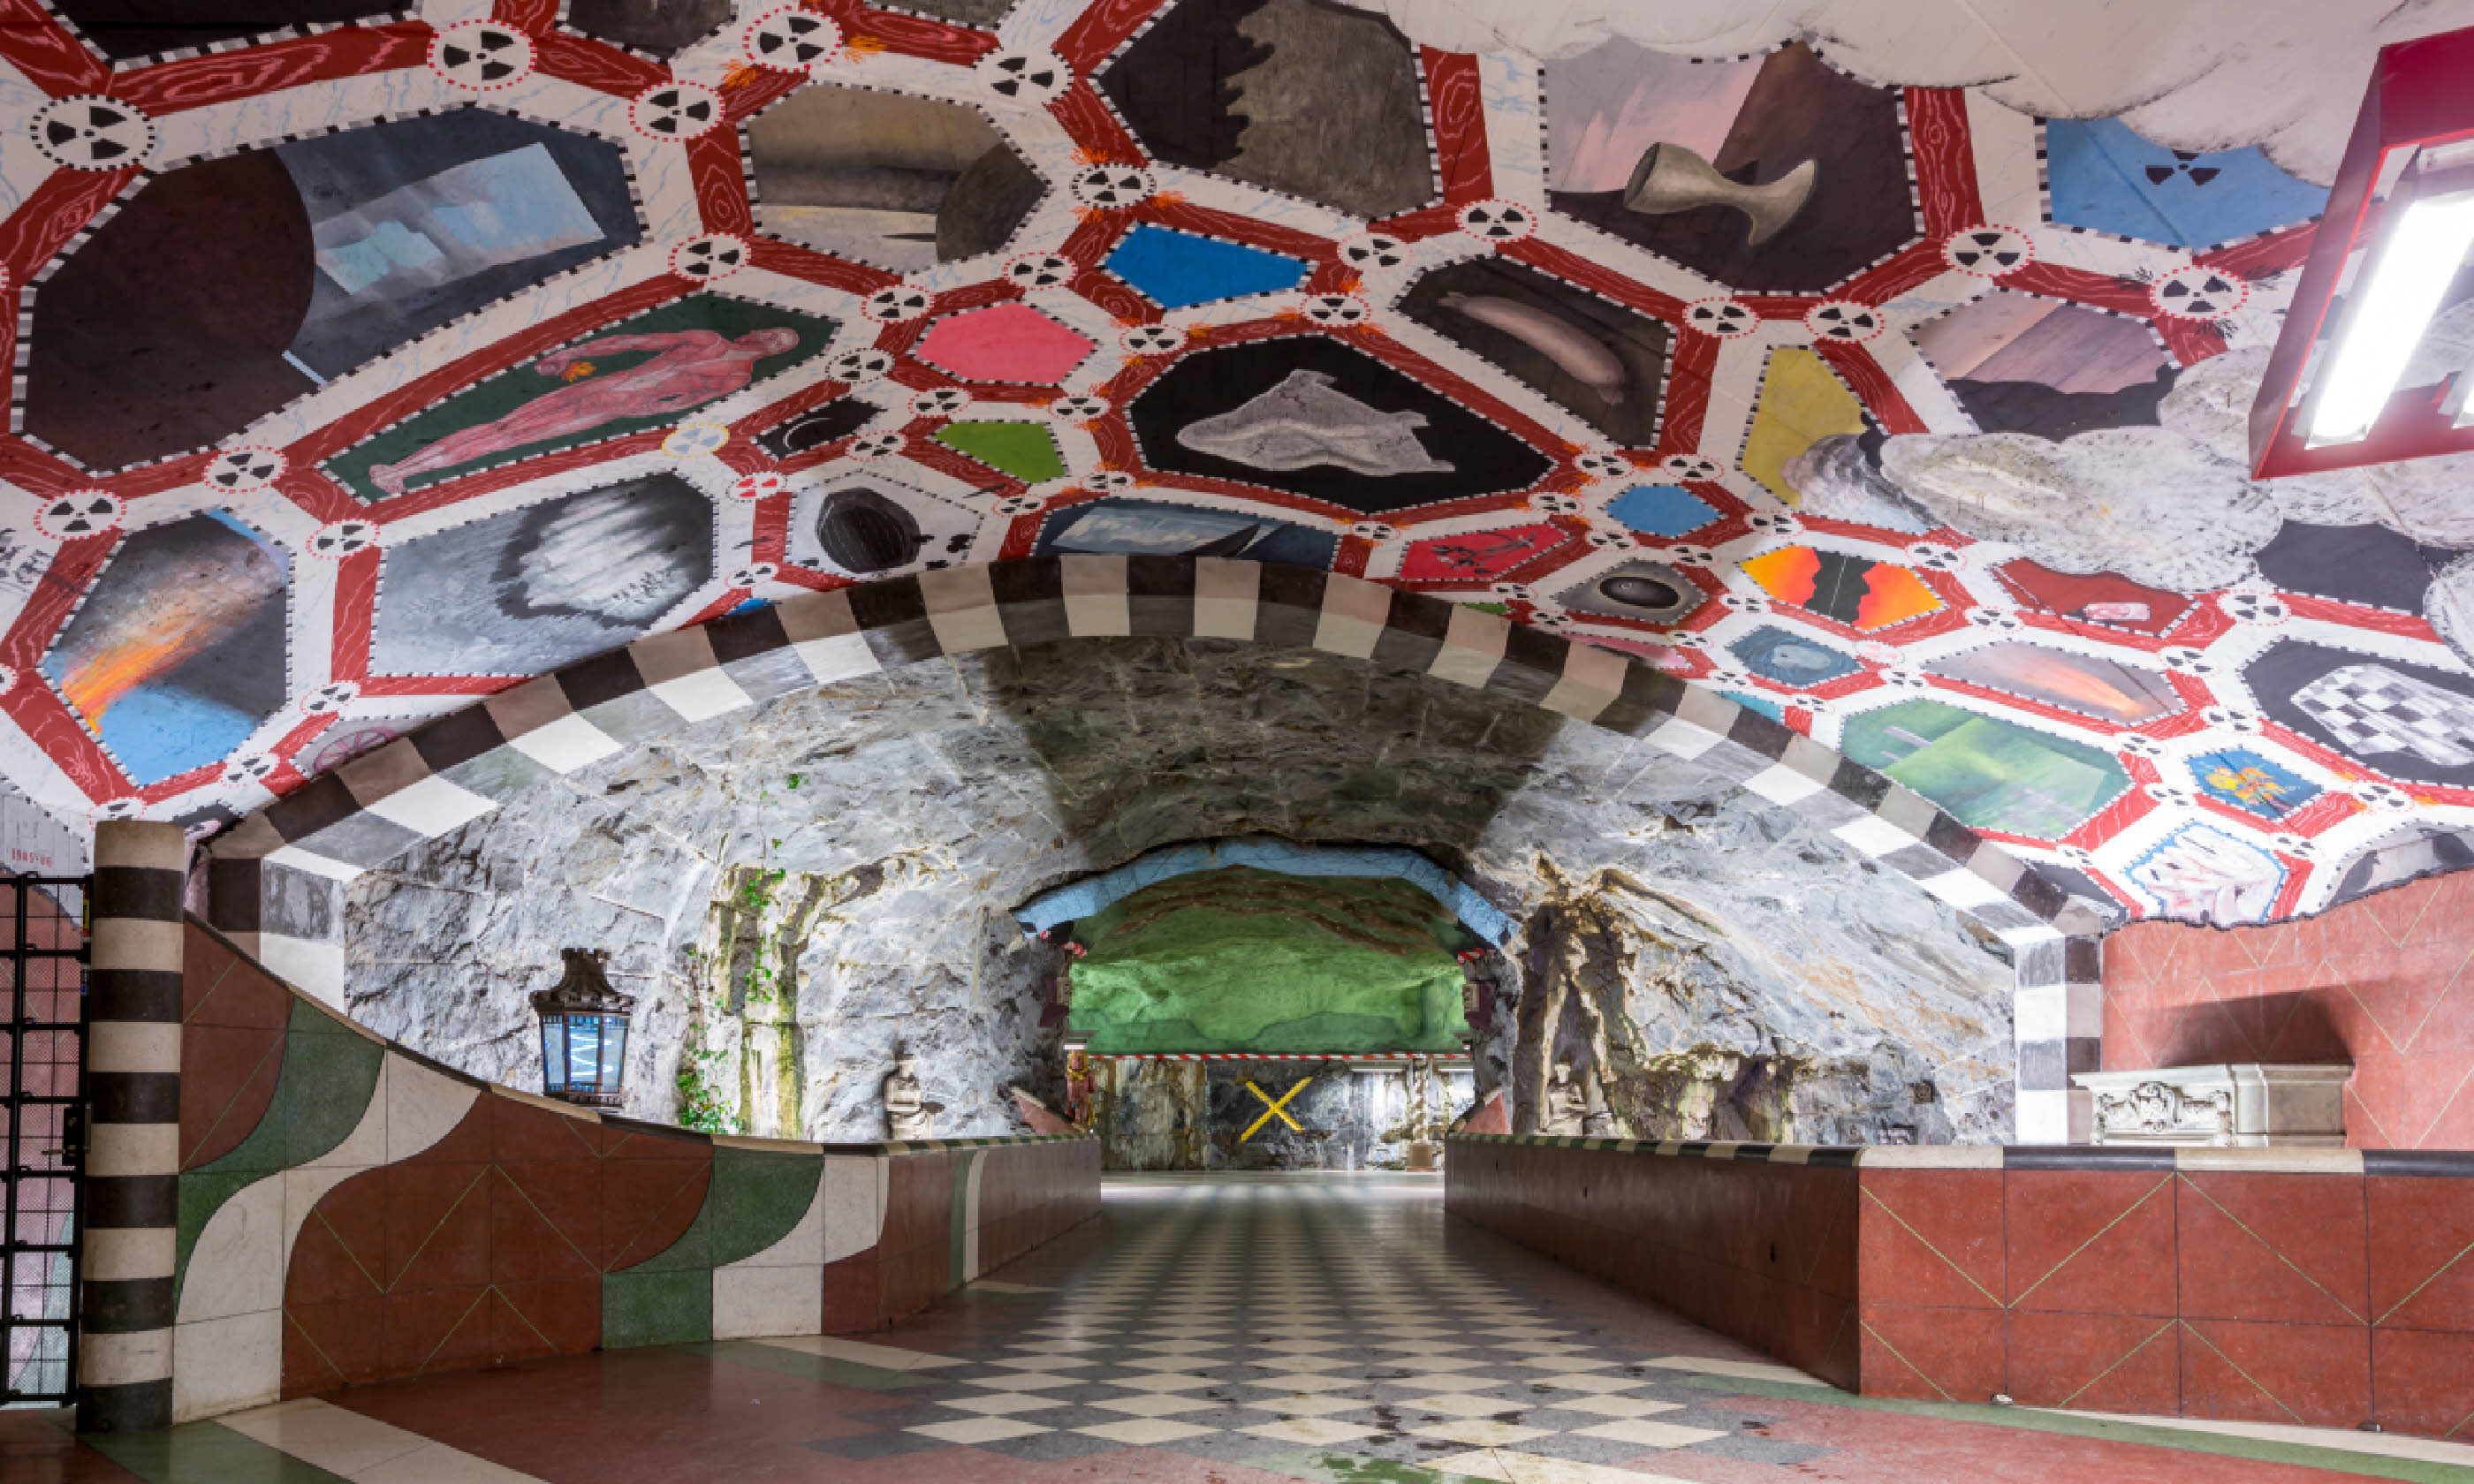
(2107, 178)
(1796, 659)
(1662, 510)
(1174, 269)
(1082, 899)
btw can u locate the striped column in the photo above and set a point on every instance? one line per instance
(2058, 1019)
(133, 1159)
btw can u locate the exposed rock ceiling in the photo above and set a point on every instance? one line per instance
(366, 370)
(791, 889)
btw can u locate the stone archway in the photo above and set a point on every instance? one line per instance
(274, 881)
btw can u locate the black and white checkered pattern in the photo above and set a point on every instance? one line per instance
(277, 876)
(2371, 708)
(1253, 1322)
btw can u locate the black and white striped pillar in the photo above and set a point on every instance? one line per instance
(132, 1157)
(2059, 1021)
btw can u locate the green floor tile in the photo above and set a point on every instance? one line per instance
(204, 1453)
(2371, 1466)
(815, 1368)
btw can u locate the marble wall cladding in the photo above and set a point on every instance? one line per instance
(351, 1211)
(2321, 1288)
(2381, 982)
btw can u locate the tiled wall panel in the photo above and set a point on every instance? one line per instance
(2381, 983)
(351, 1211)
(2316, 1287)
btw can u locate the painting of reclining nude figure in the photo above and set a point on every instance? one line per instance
(640, 373)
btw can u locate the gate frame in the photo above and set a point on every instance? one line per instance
(72, 1133)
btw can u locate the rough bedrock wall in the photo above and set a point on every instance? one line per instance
(1186, 1115)
(933, 799)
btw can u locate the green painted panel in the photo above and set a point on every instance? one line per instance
(1246, 960)
(639, 1307)
(756, 1197)
(1989, 774)
(1022, 449)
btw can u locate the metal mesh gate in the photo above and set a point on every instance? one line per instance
(43, 1019)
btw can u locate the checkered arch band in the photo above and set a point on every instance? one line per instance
(275, 880)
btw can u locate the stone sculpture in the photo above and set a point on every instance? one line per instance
(1567, 1104)
(909, 1116)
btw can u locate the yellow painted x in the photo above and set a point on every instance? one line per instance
(1272, 1109)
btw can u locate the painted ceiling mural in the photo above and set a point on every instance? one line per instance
(376, 364)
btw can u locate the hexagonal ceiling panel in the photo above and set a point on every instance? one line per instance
(367, 370)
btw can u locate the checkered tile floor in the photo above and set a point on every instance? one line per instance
(1236, 1320)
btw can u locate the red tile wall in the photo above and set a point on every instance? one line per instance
(1765, 1253)
(488, 1247)
(2322, 1299)
(233, 1017)
(2381, 982)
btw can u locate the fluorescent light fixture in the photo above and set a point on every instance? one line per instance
(2392, 307)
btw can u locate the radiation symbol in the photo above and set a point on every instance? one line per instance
(1374, 252)
(1112, 188)
(235, 470)
(1693, 466)
(856, 367)
(343, 538)
(1612, 540)
(91, 132)
(877, 445)
(328, 699)
(695, 440)
(1554, 503)
(1373, 531)
(1033, 78)
(675, 110)
(895, 302)
(1988, 251)
(1724, 318)
(1079, 408)
(1843, 321)
(1337, 311)
(705, 260)
(941, 402)
(1021, 505)
(791, 39)
(79, 513)
(1497, 222)
(1150, 339)
(1040, 271)
(481, 56)
(253, 769)
(2197, 293)
(757, 487)
(1110, 481)
(755, 576)
(1604, 466)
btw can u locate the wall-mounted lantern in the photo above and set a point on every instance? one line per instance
(2356, 377)
(584, 1032)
